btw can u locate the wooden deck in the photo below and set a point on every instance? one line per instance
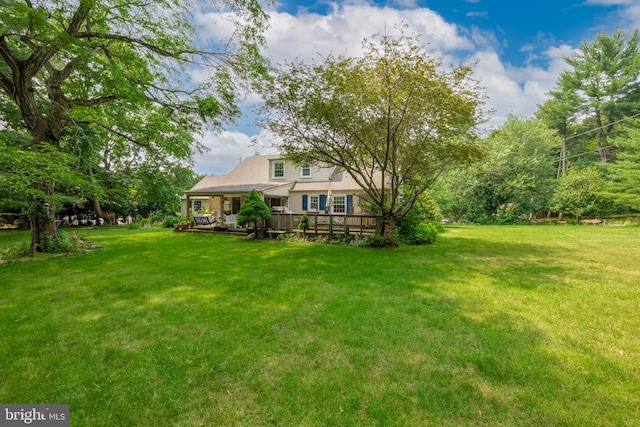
(319, 224)
(324, 224)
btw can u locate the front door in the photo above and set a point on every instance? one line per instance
(235, 205)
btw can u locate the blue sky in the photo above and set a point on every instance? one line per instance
(519, 46)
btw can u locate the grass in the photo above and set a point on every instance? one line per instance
(491, 326)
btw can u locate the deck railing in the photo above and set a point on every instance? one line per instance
(325, 224)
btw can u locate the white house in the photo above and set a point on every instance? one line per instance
(303, 188)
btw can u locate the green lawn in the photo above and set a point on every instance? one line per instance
(490, 326)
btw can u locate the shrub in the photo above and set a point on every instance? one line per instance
(304, 222)
(59, 244)
(375, 241)
(170, 221)
(253, 210)
(424, 233)
(14, 253)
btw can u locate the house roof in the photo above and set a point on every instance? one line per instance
(252, 172)
(339, 181)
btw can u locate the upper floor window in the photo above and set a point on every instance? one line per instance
(278, 169)
(305, 170)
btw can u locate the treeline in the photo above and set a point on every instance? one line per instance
(579, 156)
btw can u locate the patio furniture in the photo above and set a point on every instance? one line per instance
(231, 220)
(204, 220)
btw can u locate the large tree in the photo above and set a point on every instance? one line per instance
(516, 177)
(623, 186)
(606, 76)
(560, 113)
(393, 118)
(118, 66)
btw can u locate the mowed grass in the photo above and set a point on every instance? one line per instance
(490, 326)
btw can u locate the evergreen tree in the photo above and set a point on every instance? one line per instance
(253, 209)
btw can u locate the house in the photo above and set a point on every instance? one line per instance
(303, 188)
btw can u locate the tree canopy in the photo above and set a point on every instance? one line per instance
(393, 119)
(516, 178)
(76, 76)
(606, 78)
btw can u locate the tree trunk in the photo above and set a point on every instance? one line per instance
(42, 219)
(603, 151)
(96, 200)
(96, 208)
(389, 229)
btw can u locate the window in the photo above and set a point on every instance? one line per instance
(305, 170)
(313, 203)
(197, 205)
(278, 169)
(339, 204)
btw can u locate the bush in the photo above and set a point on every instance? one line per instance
(375, 241)
(411, 229)
(170, 221)
(59, 244)
(424, 233)
(14, 253)
(304, 222)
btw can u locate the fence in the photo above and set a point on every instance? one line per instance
(324, 224)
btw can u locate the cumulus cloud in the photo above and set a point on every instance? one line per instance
(309, 36)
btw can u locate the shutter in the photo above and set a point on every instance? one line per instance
(323, 203)
(305, 202)
(349, 204)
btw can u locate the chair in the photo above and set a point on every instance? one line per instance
(231, 220)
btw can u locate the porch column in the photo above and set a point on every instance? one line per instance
(188, 206)
(221, 208)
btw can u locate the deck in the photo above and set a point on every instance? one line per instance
(319, 224)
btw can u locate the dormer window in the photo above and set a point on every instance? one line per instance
(305, 170)
(278, 169)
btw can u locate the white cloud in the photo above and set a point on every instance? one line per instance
(226, 149)
(518, 90)
(510, 89)
(341, 32)
(478, 15)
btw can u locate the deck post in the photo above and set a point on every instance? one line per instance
(330, 225)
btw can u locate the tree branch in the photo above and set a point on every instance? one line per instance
(127, 39)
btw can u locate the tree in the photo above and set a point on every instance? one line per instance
(393, 119)
(559, 113)
(579, 193)
(253, 210)
(517, 174)
(606, 75)
(623, 175)
(67, 66)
